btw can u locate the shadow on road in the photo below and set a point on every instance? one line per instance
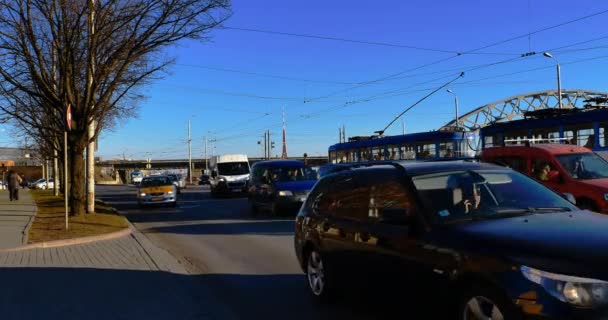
(73, 293)
(287, 297)
(276, 228)
(65, 293)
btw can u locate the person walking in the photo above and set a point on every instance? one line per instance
(14, 181)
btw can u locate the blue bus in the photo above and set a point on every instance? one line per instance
(586, 127)
(433, 145)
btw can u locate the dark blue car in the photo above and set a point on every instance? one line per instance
(279, 186)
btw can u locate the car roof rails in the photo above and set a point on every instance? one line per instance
(393, 163)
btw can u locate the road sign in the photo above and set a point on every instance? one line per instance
(69, 117)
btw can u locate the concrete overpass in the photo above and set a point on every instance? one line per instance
(198, 163)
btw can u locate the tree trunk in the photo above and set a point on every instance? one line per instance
(77, 179)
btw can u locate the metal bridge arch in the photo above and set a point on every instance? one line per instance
(513, 108)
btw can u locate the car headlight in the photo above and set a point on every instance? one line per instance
(143, 194)
(169, 192)
(285, 193)
(221, 179)
(606, 196)
(582, 292)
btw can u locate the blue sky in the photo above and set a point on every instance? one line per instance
(277, 72)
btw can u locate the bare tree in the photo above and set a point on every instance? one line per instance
(50, 58)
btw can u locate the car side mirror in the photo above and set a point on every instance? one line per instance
(570, 197)
(396, 216)
(554, 176)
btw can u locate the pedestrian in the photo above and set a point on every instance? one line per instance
(14, 181)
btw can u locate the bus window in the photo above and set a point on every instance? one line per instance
(332, 157)
(546, 135)
(393, 153)
(568, 136)
(581, 135)
(516, 137)
(445, 150)
(488, 142)
(408, 152)
(602, 134)
(427, 151)
(586, 138)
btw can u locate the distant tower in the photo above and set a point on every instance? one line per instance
(284, 153)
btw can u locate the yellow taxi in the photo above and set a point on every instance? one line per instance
(156, 190)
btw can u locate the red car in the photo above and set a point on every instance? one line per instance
(563, 168)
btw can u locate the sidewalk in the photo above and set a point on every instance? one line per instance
(122, 278)
(15, 216)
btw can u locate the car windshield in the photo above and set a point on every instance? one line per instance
(233, 168)
(584, 166)
(458, 195)
(285, 174)
(155, 182)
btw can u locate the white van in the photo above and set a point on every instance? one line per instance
(229, 173)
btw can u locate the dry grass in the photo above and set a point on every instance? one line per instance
(49, 224)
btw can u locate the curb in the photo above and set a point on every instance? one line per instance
(68, 242)
(162, 259)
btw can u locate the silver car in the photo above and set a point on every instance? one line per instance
(178, 181)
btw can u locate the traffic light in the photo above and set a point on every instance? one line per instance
(272, 145)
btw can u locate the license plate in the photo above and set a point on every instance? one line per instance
(236, 190)
(158, 199)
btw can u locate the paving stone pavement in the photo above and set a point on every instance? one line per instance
(15, 217)
(123, 253)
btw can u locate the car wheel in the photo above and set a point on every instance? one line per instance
(319, 277)
(485, 303)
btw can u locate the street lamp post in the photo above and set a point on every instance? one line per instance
(456, 106)
(559, 82)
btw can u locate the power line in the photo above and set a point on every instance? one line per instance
(266, 75)
(465, 52)
(538, 31)
(301, 35)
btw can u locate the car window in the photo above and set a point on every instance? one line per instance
(315, 202)
(389, 193)
(257, 175)
(346, 199)
(584, 165)
(515, 163)
(473, 194)
(291, 173)
(155, 182)
(541, 166)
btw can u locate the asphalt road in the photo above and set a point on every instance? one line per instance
(249, 263)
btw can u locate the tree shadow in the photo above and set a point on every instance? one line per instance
(80, 293)
(275, 228)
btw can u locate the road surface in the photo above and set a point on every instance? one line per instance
(248, 262)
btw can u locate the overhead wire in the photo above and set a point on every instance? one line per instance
(464, 53)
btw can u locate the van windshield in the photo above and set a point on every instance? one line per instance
(583, 166)
(233, 168)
